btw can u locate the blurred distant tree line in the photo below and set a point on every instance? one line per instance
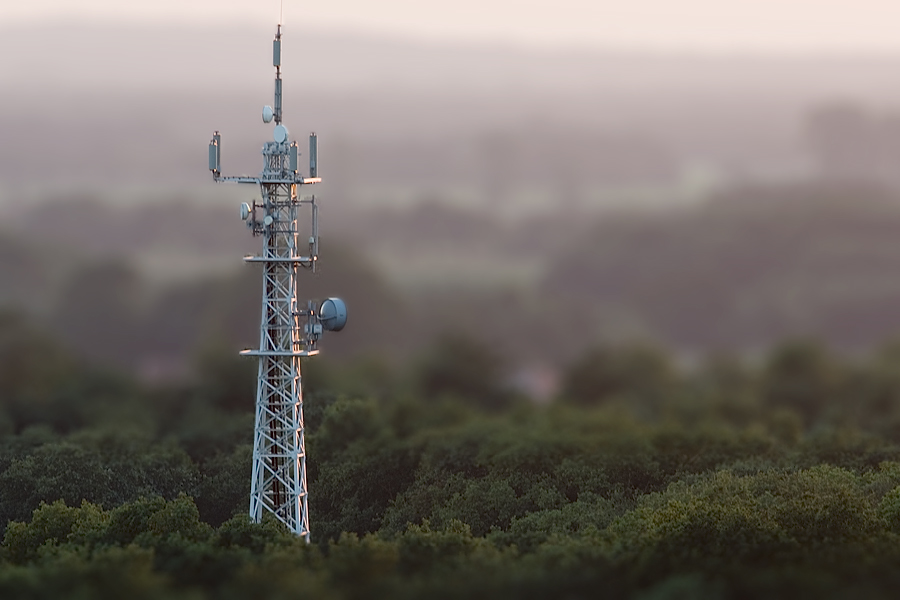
(754, 265)
(773, 478)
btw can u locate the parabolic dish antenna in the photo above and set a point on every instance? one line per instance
(268, 114)
(281, 134)
(333, 314)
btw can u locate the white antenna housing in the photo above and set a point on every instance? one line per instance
(281, 134)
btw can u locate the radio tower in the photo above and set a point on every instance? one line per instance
(289, 330)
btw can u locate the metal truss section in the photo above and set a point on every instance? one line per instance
(278, 483)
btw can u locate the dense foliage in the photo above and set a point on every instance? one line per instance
(641, 480)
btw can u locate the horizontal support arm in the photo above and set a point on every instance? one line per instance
(301, 353)
(299, 259)
(259, 180)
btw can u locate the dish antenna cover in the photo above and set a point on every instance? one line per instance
(268, 114)
(333, 314)
(281, 134)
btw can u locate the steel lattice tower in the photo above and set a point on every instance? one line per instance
(288, 331)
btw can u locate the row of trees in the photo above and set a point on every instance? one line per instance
(728, 479)
(738, 531)
(825, 531)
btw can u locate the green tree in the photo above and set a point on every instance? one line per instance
(463, 368)
(638, 374)
(803, 377)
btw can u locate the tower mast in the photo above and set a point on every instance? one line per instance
(289, 330)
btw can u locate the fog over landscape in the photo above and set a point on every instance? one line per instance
(469, 170)
(134, 100)
(623, 285)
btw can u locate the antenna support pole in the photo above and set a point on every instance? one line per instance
(276, 62)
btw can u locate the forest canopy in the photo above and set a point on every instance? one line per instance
(642, 479)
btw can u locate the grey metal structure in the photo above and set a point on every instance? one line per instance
(289, 330)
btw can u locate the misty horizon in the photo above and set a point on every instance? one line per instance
(151, 95)
(734, 26)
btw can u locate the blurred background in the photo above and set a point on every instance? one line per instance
(535, 178)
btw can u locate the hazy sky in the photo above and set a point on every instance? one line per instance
(717, 25)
